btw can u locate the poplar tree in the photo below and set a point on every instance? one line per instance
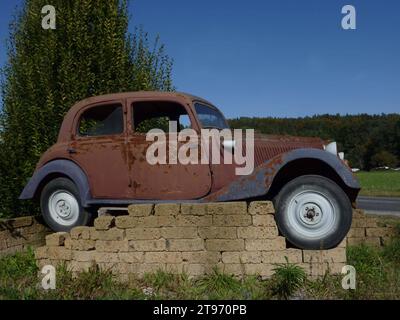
(90, 52)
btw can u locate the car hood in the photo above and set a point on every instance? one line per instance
(269, 146)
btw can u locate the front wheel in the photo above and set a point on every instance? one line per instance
(313, 212)
(61, 208)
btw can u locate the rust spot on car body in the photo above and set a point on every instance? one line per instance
(252, 186)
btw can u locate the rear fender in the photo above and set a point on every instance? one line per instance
(62, 167)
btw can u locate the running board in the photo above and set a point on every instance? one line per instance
(103, 211)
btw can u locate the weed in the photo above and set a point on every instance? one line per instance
(218, 285)
(391, 251)
(19, 264)
(287, 279)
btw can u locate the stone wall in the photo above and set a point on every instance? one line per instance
(370, 229)
(19, 233)
(238, 238)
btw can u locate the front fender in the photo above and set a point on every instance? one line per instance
(64, 167)
(258, 183)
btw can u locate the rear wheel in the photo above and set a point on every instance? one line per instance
(60, 205)
(313, 212)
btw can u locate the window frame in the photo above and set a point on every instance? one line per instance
(130, 114)
(211, 107)
(75, 131)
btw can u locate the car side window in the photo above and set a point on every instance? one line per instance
(102, 120)
(184, 121)
(156, 115)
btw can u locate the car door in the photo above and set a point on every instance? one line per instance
(167, 181)
(99, 148)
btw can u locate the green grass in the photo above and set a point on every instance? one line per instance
(378, 277)
(287, 279)
(379, 183)
(20, 280)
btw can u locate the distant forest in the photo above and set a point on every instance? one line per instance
(369, 141)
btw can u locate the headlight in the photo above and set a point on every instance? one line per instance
(332, 148)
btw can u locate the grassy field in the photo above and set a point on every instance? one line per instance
(380, 183)
(378, 277)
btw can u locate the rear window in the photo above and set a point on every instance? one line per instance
(102, 120)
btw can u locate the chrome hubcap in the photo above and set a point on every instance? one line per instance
(63, 207)
(311, 214)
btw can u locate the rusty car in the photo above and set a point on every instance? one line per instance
(99, 160)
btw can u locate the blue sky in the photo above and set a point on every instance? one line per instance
(283, 58)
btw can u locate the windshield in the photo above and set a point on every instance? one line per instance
(210, 117)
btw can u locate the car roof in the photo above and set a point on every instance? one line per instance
(64, 132)
(141, 94)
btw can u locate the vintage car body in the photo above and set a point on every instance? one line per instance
(111, 169)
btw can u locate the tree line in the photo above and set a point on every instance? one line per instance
(368, 141)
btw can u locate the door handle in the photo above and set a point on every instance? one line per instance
(71, 150)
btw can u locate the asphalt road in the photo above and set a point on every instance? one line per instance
(379, 205)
